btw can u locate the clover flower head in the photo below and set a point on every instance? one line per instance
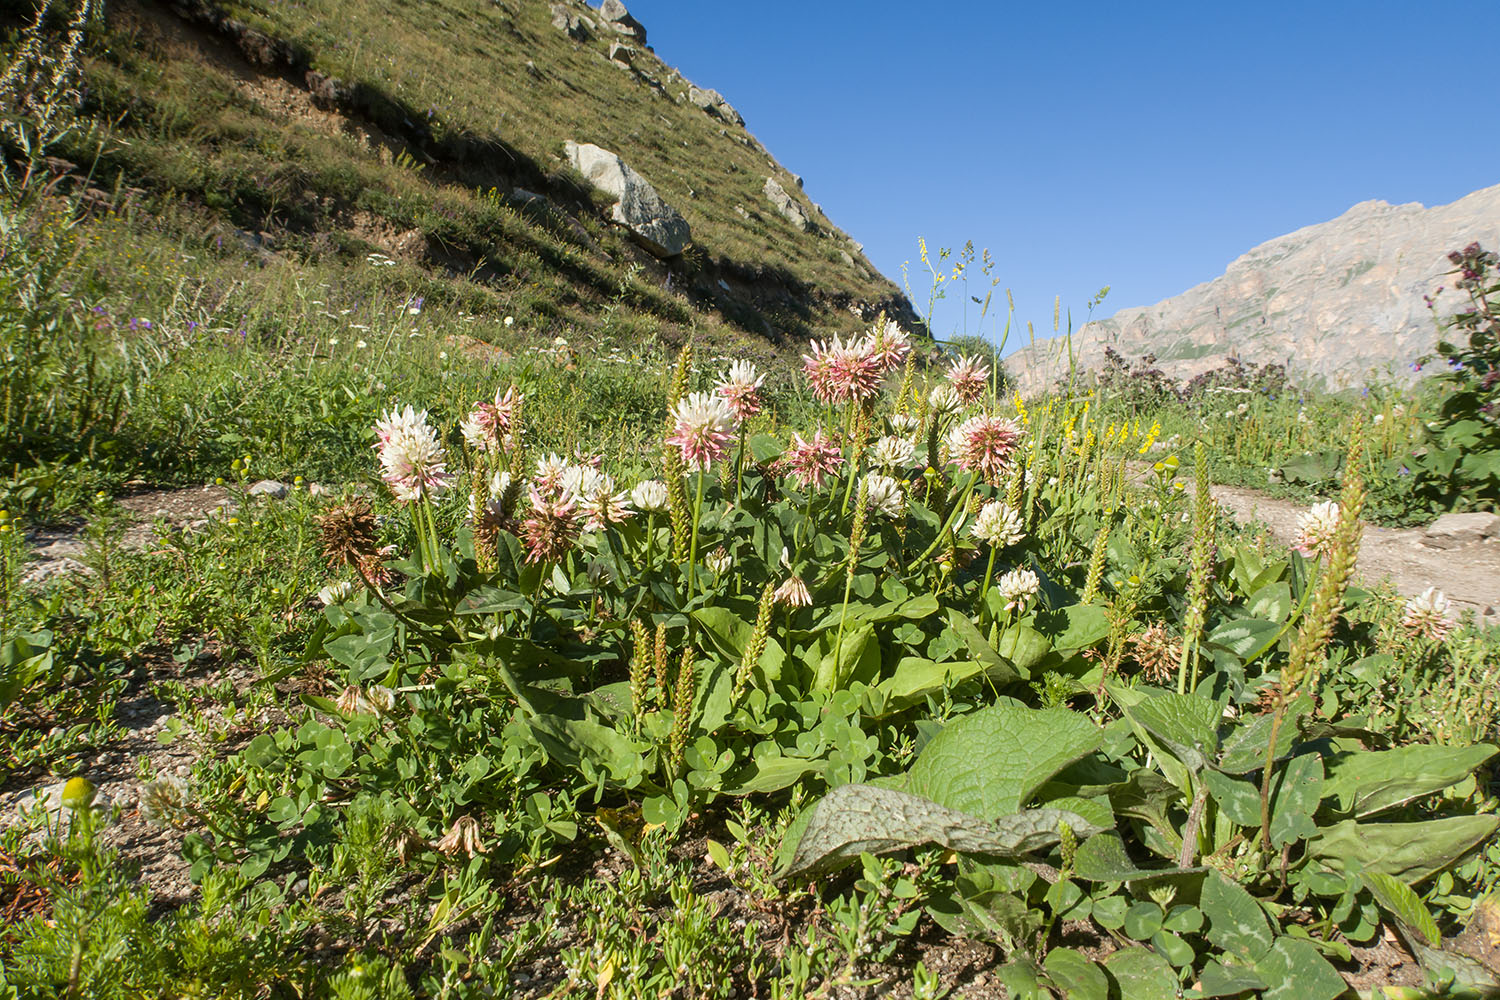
(984, 444)
(945, 400)
(412, 459)
(1427, 615)
(903, 424)
(550, 471)
(703, 423)
(893, 452)
(811, 459)
(998, 525)
(969, 377)
(650, 495)
(842, 371)
(719, 561)
(1017, 588)
(883, 496)
(551, 526)
(740, 386)
(889, 345)
(793, 593)
(462, 836)
(1316, 529)
(336, 593)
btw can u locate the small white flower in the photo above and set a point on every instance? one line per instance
(892, 452)
(336, 593)
(333, 342)
(719, 562)
(1018, 587)
(945, 400)
(361, 344)
(499, 484)
(904, 423)
(649, 495)
(1315, 529)
(1380, 418)
(1427, 615)
(883, 495)
(510, 321)
(998, 525)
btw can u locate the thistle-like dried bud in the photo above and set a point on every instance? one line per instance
(349, 533)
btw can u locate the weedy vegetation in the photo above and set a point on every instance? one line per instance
(599, 669)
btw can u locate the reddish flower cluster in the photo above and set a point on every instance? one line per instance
(810, 459)
(984, 444)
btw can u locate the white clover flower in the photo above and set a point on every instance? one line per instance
(893, 452)
(719, 561)
(883, 495)
(510, 321)
(1316, 528)
(412, 460)
(998, 525)
(336, 593)
(1379, 418)
(649, 495)
(499, 484)
(1017, 588)
(904, 423)
(944, 400)
(1427, 615)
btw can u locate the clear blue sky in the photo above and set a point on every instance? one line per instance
(1138, 145)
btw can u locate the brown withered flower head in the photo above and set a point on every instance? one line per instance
(1156, 652)
(349, 534)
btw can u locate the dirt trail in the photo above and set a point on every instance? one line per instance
(1459, 556)
(1463, 561)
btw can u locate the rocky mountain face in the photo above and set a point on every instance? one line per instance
(1339, 303)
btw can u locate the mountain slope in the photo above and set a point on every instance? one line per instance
(1338, 302)
(435, 133)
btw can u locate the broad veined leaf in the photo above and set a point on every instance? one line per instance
(1245, 747)
(1245, 637)
(1185, 724)
(1236, 923)
(1078, 977)
(1398, 899)
(771, 774)
(1077, 626)
(1366, 782)
(1295, 970)
(1142, 974)
(857, 657)
(990, 762)
(1295, 794)
(1102, 858)
(1272, 603)
(1409, 851)
(1227, 981)
(853, 819)
(999, 668)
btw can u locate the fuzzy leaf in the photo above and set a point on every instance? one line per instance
(1142, 974)
(853, 819)
(989, 763)
(1078, 977)
(1296, 970)
(1295, 795)
(1366, 782)
(1410, 851)
(1185, 724)
(1236, 923)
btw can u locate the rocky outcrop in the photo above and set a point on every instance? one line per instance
(653, 223)
(618, 18)
(622, 54)
(713, 102)
(571, 23)
(1339, 303)
(786, 206)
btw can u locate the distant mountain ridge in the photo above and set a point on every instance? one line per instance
(1339, 302)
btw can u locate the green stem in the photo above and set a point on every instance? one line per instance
(739, 465)
(963, 502)
(692, 567)
(984, 590)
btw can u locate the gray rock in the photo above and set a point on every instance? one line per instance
(49, 798)
(713, 102)
(527, 199)
(622, 54)
(655, 225)
(270, 488)
(618, 18)
(1339, 302)
(574, 25)
(1454, 530)
(786, 206)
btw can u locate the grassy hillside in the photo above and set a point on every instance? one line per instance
(333, 130)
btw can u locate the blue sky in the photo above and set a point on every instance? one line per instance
(1142, 146)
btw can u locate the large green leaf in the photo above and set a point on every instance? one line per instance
(1236, 923)
(1245, 637)
(853, 819)
(990, 762)
(1079, 977)
(1185, 724)
(1142, 974)
(1296, 970)
(1237, 799)
(1245, 748)
(1295, 794)
(857, 656)
(1366, 782)
(1077, 626)
(1400, 901)
(915, 677)
(771, 774)
(1409, 851)
(1000, 669)
(1102, 858)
